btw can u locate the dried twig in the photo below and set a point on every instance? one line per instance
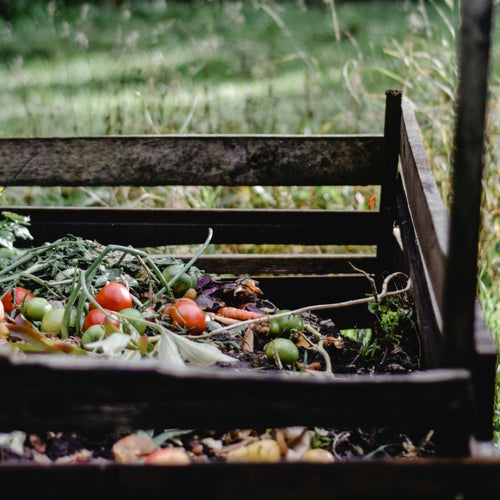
(318, 307)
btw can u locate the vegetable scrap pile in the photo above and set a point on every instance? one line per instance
(79, 297)
(187, 446)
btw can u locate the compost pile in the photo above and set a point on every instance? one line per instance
(81, 298)
(188, 446)
(77, 297)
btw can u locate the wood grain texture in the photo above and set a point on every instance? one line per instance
(286, 263)
(473, 53)
(192, 160)
(426, 311)
(107, 394)
(429, 216)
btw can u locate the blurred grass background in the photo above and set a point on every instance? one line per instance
(72, 68)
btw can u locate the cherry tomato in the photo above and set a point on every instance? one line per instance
(94, 333)
(285, 325)
(19, 294)
(36, 308)
(134, 317)
(186, 314)
(168, 305)
(286, 350)
(113, 296)
(52, 321)
(97, 317)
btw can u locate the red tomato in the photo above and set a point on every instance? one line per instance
(186, 314)
(166, 310)
(97, 317)
(168, 305)
(19, 293)
(113, 296)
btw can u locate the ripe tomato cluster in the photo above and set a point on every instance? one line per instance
(115, 312)
(113, 297)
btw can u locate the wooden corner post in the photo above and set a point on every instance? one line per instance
(468, 159)
(392, 135)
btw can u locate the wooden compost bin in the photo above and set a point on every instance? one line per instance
(453, 394)
(42, 392)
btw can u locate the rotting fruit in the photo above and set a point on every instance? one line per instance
(97, 317)
(19, 295)
(92, 334)
(187, 315)
(36, 308)
(113, 296)
(285, 349)
(134, 317)
(265, 450)
(52, 321)
(184, 282)
(168, 456)
(285, 325)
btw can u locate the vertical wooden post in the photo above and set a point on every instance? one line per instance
(474, 44)
(392, 136)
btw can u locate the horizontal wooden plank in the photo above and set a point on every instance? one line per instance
(285, 263)
(116, 394)
(157, 227)
(192, 160)
(429, 216)
(429, 478)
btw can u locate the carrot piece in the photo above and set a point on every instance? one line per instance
(240, 314)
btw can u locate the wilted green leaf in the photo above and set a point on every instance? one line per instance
(174, 349)
(13, 226)
(200, 353)
(168, 351)
(114, 345)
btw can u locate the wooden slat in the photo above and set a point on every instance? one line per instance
(108, 394)
(157, 227)
(392, 128)
(192, 160)
(430, 478)
(428, 213)
(285, 263)
(426, 310)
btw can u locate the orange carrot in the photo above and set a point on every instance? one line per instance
(240, 314)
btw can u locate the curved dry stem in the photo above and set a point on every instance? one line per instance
(320, 307)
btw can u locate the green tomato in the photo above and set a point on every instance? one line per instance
(184, 282)
(52, 321)
(36, 308)
(287, 351)
(283, 326)
(92, 334)
(132, 315)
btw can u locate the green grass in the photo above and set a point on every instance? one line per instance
(241, 67)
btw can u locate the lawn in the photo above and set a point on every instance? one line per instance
(217, 66)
